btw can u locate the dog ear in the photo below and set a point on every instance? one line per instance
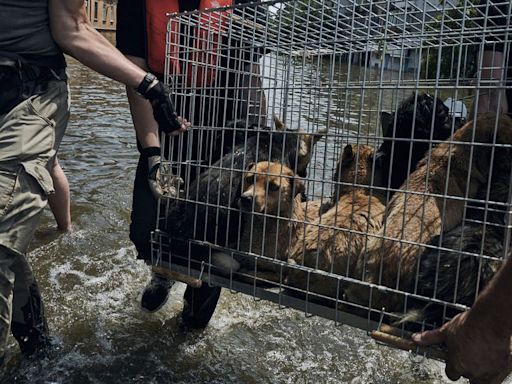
(250, 165)
(298, 186)
(279, 124)
(308, 141)
(348, 153)
(386, 119)
(379, 157)
(306, 144)
(319, 134)
(312, 139)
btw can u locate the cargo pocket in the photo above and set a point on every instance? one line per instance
(41, 175)
(7, 185)
(39, 136)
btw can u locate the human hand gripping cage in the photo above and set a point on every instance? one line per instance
(326, 170)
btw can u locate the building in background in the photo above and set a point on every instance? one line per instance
(405, 23)
(102, 14)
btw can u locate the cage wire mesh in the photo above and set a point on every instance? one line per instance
(334, 162)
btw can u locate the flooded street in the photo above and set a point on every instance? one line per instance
(91, 283)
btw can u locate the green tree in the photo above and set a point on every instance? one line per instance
(447, 55)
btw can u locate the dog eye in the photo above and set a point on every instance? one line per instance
(249, 180)
(273, 187)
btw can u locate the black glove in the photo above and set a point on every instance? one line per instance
(161, 99)
(161, 182)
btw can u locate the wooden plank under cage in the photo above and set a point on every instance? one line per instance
(176, 276)
(397, 338)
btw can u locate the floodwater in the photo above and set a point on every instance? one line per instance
(92, 282)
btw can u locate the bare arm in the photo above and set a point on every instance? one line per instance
(75, 35)
(143, 119)
(493, 68)
(142, 112)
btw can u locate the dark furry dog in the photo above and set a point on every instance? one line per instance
(408, 133)
(209, 211)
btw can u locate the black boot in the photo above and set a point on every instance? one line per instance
(156, 293)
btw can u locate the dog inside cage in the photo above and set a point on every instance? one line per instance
(332, 160)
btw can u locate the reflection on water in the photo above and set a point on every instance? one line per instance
(91, 283)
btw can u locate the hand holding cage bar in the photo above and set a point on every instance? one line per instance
(416, 216)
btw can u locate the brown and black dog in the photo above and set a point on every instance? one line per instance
(208, 212)
(429, 203)
(273, 216)
(272, 209)
(333, 242)
(460, 263)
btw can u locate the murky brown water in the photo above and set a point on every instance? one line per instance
(91, 284)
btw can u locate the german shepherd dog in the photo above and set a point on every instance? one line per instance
(273, 213)
(429, 204)
(209, 211)
(273, 207)
(333, 241)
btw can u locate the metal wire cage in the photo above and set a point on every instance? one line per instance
(336, 161)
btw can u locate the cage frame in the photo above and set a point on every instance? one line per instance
(278, 292)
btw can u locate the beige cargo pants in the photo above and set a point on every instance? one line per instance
(29, 138)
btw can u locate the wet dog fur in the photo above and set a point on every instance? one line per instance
(468, 256)
(418, 214)
(333, 241)
(273, 213)
(209, 210)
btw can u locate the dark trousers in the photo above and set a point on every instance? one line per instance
(200, 303)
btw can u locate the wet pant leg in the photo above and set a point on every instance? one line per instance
(28, 325)
(6, 292)
(144, 211)
(21, 307)
(199, 305)
(30, 134)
